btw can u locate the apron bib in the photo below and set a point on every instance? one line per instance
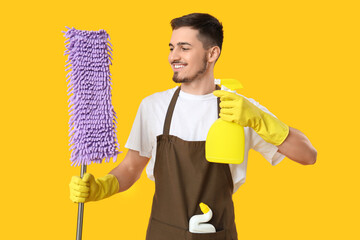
(183, 179)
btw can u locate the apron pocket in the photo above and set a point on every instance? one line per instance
(159, 230)
(220, 235)
(162, 231)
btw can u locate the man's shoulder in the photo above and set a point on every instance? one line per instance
(160, 97)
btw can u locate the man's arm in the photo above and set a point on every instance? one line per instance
(298, 148)
(290, 141)
(130, 169)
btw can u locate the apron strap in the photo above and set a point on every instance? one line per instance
(170, 112)
(172, 107)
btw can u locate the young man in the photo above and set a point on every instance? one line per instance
(169, 133)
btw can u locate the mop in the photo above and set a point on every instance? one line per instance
(92, 124)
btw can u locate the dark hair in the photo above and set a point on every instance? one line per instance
(210, 29)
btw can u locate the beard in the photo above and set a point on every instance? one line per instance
(176, 78)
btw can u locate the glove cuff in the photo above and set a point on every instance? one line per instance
(108, 186)
(272, 130)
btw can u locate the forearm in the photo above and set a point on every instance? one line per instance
(125, 176)
(130, 169)
(298, 148)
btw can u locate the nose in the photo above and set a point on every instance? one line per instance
(174, 55)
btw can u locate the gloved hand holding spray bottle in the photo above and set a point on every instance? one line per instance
(225, 141)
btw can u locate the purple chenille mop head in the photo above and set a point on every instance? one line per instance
(92, 125)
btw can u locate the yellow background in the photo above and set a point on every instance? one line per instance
(300, 59)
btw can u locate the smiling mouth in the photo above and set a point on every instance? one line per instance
(178, 67)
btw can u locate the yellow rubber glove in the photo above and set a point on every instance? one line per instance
(235, 108)
(88, 189)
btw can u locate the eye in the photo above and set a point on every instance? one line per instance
(171, 49)
(185, 49)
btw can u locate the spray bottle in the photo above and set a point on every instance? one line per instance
(225, 142)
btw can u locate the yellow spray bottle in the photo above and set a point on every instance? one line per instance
(225, 141)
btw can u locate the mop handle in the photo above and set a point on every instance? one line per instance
(80, 209)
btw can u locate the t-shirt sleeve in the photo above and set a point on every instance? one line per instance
(267, 150)
(140, 138)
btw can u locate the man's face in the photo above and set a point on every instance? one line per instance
(187, 56)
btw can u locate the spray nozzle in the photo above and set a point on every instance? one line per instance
(229, 84)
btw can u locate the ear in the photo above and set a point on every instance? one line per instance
(213, 54)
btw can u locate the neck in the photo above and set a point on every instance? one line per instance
(201, 86)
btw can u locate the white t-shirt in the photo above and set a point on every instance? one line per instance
(192, 118)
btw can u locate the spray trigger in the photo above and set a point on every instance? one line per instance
(229, 84)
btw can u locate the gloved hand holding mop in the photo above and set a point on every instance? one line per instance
(90, 189)
(235, 108)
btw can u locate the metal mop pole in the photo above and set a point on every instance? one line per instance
(80, 209)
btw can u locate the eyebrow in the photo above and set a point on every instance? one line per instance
(180, 43)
